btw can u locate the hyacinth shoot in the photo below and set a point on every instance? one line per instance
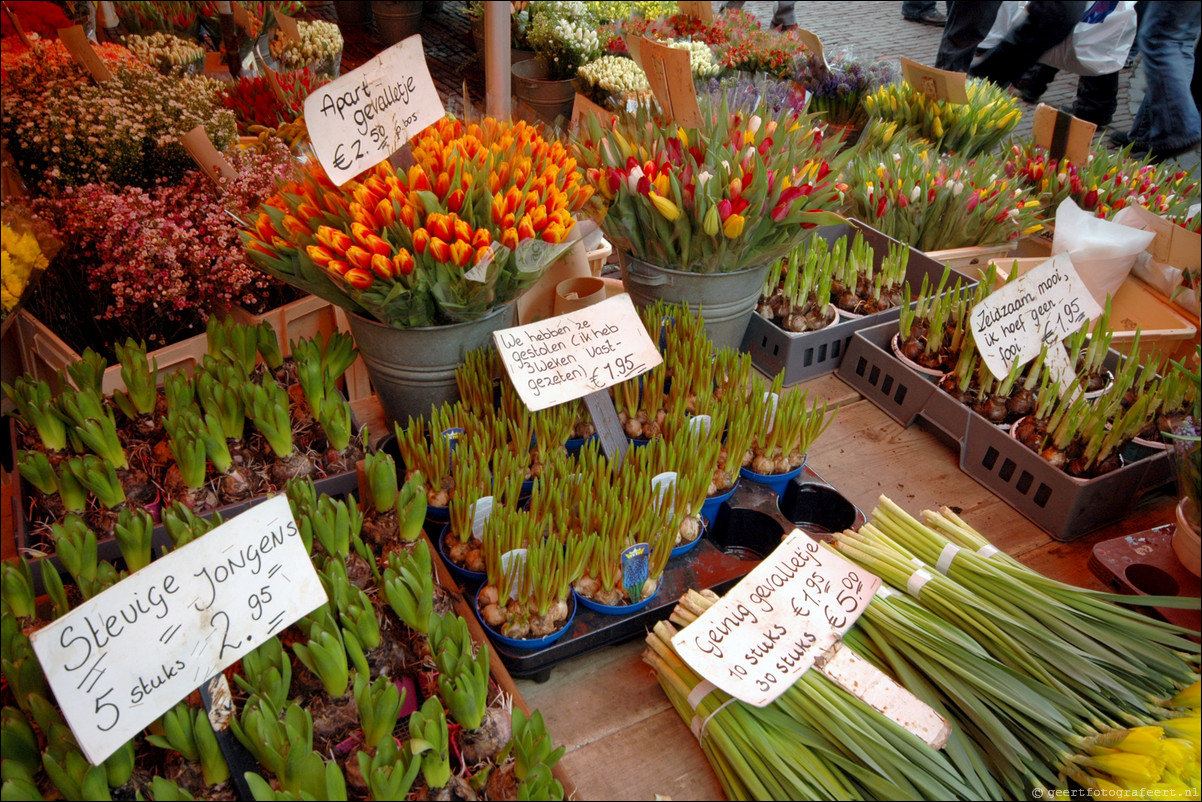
(469, 227)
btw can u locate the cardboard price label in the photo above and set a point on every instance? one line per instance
(935, 84)
(771, 627)
(1043, 307)
(1173, 245)
(1061, 134)
(16, 23)
(570, 356)
(671, 80)
(123, 658)
(365, 116)
(813, 44)
(581, 106)
(202, 151)
(77, 44)
(288, 26)
(703, 11)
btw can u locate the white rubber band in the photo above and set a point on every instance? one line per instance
(945, 558)
(884, 591)
(917, 580)
(988, 550)
(700, 692)
(699, 729)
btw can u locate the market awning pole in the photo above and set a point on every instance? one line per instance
(496, 59)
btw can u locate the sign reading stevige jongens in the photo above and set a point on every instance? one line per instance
(365, 116)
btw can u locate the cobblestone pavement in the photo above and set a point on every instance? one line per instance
(873, 29)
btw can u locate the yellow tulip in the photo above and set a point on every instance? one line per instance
(733, 226)
(665, 207)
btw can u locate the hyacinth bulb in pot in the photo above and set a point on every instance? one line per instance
(1186, 452)
(699, 214)
(427, 262)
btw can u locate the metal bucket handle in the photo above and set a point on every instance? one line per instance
(645, 279)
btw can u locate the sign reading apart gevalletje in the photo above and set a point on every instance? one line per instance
(362, 118)
(1043, 307)
(126, 656)
(772, 626)
(567, 357)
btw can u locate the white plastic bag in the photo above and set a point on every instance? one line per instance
(1098, 44)
(1103, 252)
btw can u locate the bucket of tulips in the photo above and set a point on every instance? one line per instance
(699, 215)
(427, 262)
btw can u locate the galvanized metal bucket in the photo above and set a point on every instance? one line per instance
(725, 300)
(413, 370)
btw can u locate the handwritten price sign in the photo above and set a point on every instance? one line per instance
(362, 118)
(769, 629)
(123, 658)
(1043, 307)
(566, 357)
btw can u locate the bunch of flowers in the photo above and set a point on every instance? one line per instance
(470, 226)
(743, 93)
(733, 195)
(28, 69)
(165, 51)
(255, 104)
(171, 16)
(934, 203)
(564, 35)
(124, 131)
(319, 42)
(26, 247)
(838, 92)
(617, 11)
(613, 76)
(1106, 183)
(977, 126)
(261, 13)
(41, 18)
(701, 58)
(158, 261)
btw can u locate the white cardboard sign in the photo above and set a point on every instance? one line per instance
(126, 656)
(365, 116)
(772, 626)
(569, 356)
(1044, 306)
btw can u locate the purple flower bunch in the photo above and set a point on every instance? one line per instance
(745, 91)
(838, 92)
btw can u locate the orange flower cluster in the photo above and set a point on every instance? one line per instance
(472, 189)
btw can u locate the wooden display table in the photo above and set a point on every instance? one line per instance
(623, 738)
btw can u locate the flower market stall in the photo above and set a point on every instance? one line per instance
(866, 467)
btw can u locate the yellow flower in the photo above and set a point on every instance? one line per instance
(1126, 766)
(733, 226)
(1186, 727)
(1188, 697)
(665, 207)
(711, 221)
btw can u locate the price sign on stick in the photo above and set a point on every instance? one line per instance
(935, 84)
(123, 658)
(365, 116)
(772, 626)
(1043, 307)
(1062, 134)
(581, 106)
(813, 44)
(671, 80)
(202, 151)
(288, 26)
(703, 11)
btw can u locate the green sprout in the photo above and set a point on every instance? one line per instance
(219, 388)
(463, 676)
(140, 376)
(268, 672)
(390, 772)
(76, 547)
(94, 425)
(381, 480)
(540, 785)
(269, 345)
(72, 774)
(18, 742)
(430, 740)
(531, 744)
(188, 732)
(409, 587)
(334, 415)
(180, 392)
(18, 663)
(35, 408)
(16, 589)
(233, 342)
(36, 469)
(184, 526)
(53, 584)
(411, 505)
(379, 706)
(87, 373)
(187, 446)
(267, 406)
(164, 790)
(325, 652)
(99, 478)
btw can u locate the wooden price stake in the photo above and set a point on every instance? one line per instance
(703, 11)
(288, 25)
(581, 106)
(362, 118)
(671, 80)
(127, 655)
(579, 355)
(935, 84)
(211, 160)
(241, 17)
(12, 18)
(1062, 135)
(77, 44)
(813, 44)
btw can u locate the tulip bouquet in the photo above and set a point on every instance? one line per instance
(733, 195)
(319, 47)
(965, 128)
(933, 203)
(166, 52)
(473, 224)
(837, 91)
(170, 16)
(614, 77)
(257, 106)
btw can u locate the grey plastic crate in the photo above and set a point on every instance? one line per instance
(1065, 507)
(872, 370)
(818, 353)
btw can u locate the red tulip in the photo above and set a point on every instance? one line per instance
(403, 262)
(359, 279)
(421, 240)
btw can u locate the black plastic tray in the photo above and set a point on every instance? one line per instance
(746, 529)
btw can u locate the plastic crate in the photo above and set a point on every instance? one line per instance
(875, 373)
(817, 353)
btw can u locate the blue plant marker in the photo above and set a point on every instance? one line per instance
(452, 437)
(636, 566)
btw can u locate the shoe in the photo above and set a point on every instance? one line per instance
(1159, 156)
(935, 18)
(1120, 139)
(785, 28)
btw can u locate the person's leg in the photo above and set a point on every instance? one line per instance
(1035, 82)
(1048, 23)
(783, 16)
(1097, 98)
(913, 9)
(968, 23)
(1168, 117)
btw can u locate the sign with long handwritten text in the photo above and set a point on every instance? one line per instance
(566, 357)
(126, 656)
(1042, 307)
(772, 626)
(362, 118)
